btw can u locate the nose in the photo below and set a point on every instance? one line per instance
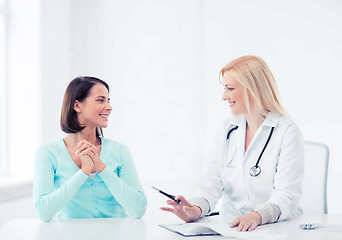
(108, 107)
(225, 96)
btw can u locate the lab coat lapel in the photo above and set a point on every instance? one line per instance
(262, 134)
(240, 138)
(232, 151)
(271, 120)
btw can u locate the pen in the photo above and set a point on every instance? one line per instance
(168, 195)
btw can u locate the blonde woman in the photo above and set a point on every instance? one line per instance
(257, 163)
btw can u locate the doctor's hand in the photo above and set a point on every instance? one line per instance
(185, 211)
(247, 222)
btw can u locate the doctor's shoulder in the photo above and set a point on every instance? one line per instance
(289, 127)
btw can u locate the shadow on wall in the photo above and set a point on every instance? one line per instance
(19, 208)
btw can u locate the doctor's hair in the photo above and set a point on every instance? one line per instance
(78, 89)
(259, 84)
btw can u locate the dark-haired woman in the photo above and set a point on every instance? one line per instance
(85, 175)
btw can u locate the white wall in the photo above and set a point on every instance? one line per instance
(18, 208)
(151, 54)
(23, 132)
(24, 108)
(56, 65)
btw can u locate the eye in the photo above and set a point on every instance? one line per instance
(100, 100)
(228, 89)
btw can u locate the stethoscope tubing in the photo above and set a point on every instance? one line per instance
(262, 152)
(255, 170)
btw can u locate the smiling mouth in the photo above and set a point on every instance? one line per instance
(231, 103)
(104, 116)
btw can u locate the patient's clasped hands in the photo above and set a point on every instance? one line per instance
(89, 156)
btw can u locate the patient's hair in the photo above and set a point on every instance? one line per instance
(78, 89)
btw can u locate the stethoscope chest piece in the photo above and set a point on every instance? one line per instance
(255, 171)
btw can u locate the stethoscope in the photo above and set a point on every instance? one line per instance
(255, 170)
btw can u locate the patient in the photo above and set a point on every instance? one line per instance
(85, 175)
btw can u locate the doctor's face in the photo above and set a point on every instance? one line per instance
(233, 94)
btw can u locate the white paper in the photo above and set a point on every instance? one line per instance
(227, 231)
(223, 229)
(189, 229)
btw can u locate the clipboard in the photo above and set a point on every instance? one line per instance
(190, 229)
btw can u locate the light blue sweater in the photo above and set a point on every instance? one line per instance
(60, 187)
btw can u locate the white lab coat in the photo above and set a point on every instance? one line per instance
(282, 168)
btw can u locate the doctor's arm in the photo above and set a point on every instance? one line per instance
(265, 213)
(289, 174)
(208, 190)
(284, 200)
(184, 210)
(210, 187)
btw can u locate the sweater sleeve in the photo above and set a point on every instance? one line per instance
(125, 186)
(48, 200)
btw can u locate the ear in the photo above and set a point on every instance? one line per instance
(77, 106)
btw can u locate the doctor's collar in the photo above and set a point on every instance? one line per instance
(237, 120)
(271, 120)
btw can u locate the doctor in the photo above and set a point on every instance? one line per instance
(257, 163)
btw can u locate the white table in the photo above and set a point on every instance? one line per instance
(140, 229)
